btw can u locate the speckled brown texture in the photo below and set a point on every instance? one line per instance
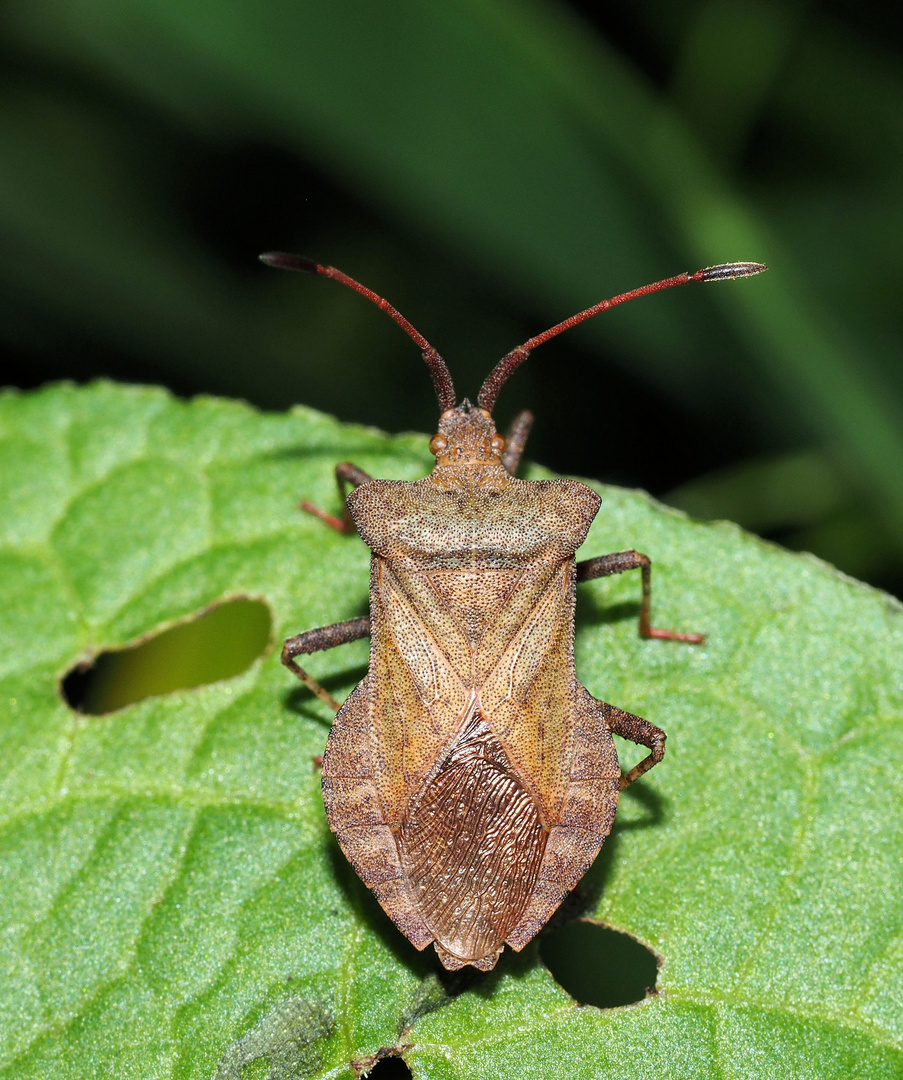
(470, 778)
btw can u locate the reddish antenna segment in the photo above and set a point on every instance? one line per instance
(442, 380)
(510, 362)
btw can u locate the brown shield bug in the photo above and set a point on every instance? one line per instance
(470, 779)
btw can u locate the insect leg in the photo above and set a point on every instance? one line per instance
(323, 637)
(515, 440)
(639, 731)
(349, 474)
(620, 561)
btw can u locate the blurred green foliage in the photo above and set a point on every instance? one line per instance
(490, 166)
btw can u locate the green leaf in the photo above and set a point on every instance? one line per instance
(174, 905)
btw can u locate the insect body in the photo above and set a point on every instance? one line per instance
(470, 778)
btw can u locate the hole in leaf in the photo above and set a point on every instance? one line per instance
(390, 1068)
(217, 643)
(599, 966)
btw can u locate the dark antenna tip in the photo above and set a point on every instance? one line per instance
(282, 260)
(728, 271)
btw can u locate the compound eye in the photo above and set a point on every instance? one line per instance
(438, 443)
(498, 444)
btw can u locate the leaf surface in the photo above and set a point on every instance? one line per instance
(173, 903)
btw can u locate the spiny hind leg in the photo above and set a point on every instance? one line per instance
(345, 474)
(323, 637)
(617, 563)
(639, 731)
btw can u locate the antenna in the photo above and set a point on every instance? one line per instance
(510, 362)
(442, 381)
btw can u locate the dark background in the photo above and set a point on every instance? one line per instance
(490, 168)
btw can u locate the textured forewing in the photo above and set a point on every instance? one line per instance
(426, 626)
(418, 697)
(528, 696)
(525, 646)
(530, 593)
(540, 735)
(434, 648)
